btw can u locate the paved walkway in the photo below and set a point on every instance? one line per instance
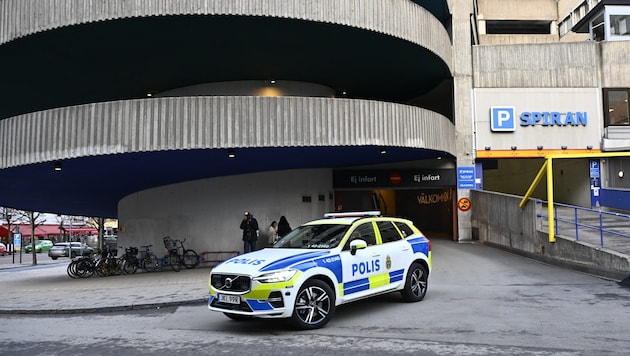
(47, 288)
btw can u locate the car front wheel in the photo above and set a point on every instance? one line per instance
(314, 305)
(416, 284)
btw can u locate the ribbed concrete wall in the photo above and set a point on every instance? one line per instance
(556, 65)
(518, 10)
(398, 18)
(213, 122)
(615, 64)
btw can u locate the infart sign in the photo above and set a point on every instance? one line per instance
(505, 118)
(387, 178)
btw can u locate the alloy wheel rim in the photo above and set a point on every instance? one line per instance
(313, 305)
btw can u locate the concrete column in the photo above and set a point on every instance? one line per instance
(463, 84)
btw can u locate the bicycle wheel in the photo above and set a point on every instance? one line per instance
(102, 268)
(190, 259)
(129, 267)
(72, 270)
(175, 262)
(150, 262)
(85, 268)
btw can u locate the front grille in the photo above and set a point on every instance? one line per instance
(230, 283)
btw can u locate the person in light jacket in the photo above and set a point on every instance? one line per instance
(272, 233)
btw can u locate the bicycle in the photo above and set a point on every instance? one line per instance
(148, 261)
(178, 255)
(129, 263)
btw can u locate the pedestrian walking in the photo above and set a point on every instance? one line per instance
(283, 227)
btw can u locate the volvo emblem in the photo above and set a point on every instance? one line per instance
(228, 283)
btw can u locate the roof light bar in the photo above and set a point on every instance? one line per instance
(353, 214)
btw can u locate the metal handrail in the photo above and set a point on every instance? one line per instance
(601, 228)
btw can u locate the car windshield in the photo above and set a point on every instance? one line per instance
(313, 236)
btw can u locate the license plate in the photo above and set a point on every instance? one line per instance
(230, 299)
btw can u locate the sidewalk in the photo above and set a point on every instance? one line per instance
(47, 288)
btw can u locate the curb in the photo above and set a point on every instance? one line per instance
(105, 309)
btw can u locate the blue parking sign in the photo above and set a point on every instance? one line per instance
(502, 118)
(17, 241)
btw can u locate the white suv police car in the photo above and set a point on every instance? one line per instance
(322, 264)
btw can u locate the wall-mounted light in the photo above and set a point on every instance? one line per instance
(272, 81)
(620, 173)
(589, 147)
(231, 153)
(539, 147)
(57, 166)
(149, 94)
(383, 150)
(563, 147)
(439, 157)
(487, 148)
(513, 148)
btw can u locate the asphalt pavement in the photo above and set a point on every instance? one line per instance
(46, 288)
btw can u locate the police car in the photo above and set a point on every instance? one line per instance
(321, 265)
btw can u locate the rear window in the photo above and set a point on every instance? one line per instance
(389, 233)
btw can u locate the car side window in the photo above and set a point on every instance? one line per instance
(404, 229)
(389, 233)
(364, 232)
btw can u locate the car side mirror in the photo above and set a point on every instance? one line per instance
(357, 245)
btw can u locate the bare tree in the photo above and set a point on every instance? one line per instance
(99, 224)
(34, 220)
(11, 216)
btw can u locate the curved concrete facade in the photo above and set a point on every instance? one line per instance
(402, 19)
(208, 212)
(185, 123)
(159, 164)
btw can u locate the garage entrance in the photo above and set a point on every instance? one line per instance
(426, 197)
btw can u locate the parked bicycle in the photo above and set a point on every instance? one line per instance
(129, 262)
(148, 260)
(178, 255)
(103, 264)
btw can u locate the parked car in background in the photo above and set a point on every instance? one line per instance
(60, 249)
(3, 249)
(40, 246)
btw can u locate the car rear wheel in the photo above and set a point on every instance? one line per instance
(416, 284)
(314, 305)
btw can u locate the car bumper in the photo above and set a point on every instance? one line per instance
(264, 300)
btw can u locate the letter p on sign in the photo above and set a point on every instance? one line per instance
(502, 118)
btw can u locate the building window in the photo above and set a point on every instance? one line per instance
(620, 25)
(517, 27)
(619, 173)
(597, 28)
(616, 109)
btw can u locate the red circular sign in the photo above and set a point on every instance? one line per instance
(464, 204)
(394, 178)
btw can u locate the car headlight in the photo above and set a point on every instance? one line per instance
(275, 277)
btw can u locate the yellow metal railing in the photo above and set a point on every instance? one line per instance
(547, 168)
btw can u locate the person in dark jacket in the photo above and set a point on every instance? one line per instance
(249, 225)
(283, 227)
